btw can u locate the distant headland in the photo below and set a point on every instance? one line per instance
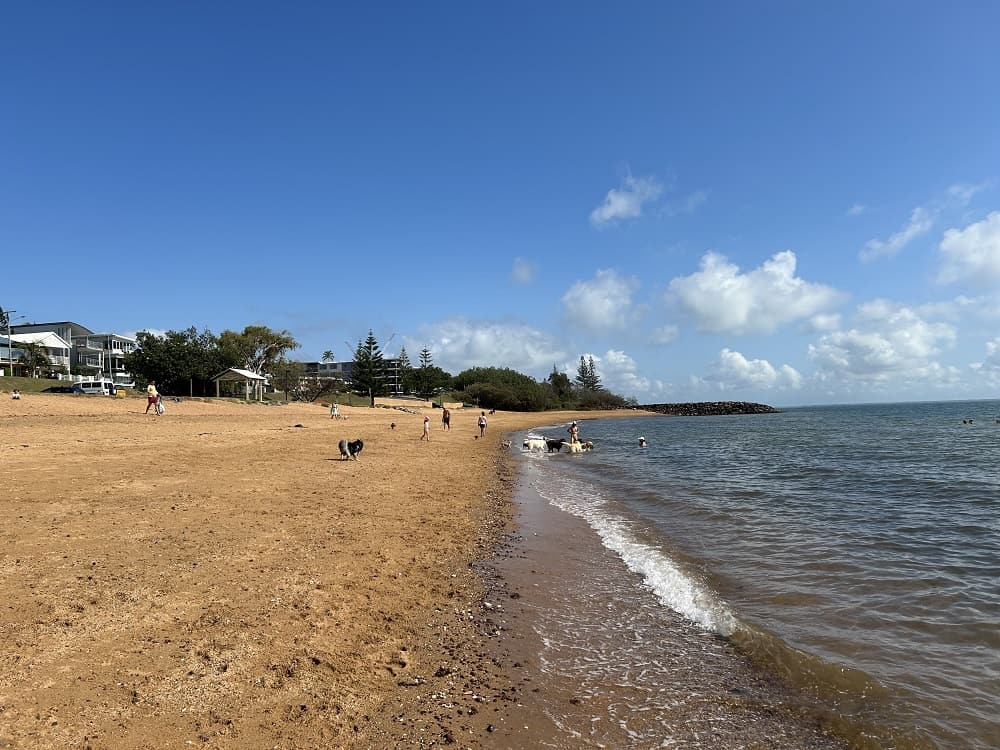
(711, 408)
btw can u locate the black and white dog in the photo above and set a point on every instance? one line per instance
(350, 449)
(554, 446)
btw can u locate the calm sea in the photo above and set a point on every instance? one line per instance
(852, 550)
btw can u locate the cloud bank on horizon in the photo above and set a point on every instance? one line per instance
(812, 216)
(885, 345)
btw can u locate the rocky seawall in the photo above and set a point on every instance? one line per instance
(710, 408)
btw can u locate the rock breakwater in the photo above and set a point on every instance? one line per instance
(710, 408)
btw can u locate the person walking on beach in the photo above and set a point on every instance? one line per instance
(152, 397)
(334, 411)
(482, 424)
(427, 429)
(446, 419)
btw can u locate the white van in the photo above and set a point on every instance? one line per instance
(95, 387)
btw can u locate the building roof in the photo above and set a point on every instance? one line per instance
(235, 373)
(50, 326)
(48, 339)
(104, 335)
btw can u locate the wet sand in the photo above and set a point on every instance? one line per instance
(600, 663)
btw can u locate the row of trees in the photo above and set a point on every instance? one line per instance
(370, 374)
(489, 387)
(185, 361)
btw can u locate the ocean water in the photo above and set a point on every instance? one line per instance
(853, 551)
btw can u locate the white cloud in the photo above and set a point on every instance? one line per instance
(721, 299)
(824, 322)
(990, 366)
(733, 371)
(922, 219)
(619, 374)
(973, 253)
(602, 304)
(955, 308)
(457, 344)
(857, 209)
(665, 335)
(626, 202)
(687, 205)
(889, 342)
(524, 271)
(963, 193)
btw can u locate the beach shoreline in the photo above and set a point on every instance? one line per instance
(218, 576)
(554, 576)
(493, 692)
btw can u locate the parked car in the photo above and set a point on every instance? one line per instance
(96, 387)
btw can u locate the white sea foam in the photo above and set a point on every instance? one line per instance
(673, 587)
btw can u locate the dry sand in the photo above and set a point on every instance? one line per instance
(218, 576)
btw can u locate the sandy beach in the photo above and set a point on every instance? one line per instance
(218, 576)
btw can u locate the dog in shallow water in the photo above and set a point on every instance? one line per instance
(350, 449)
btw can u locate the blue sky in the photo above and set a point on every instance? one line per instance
(777, 201)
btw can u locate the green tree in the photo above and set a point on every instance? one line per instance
(433, 380)
(286, 375)
(327, 356)
(367, 370)
(310, 387)
(586, 374)
(428, 379)
(404, 358)
(33, 358)
(258, 348)
(595, 379)
(601, 399)
(179, 361)
(501, 388)
(405, 371)
(426, 359)
(562, 387)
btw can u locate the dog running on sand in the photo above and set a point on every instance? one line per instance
(350, 449)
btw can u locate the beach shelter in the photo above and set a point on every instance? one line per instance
(252, 382)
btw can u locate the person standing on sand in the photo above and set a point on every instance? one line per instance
(446, 419)
(482, 424)
(152, 397)
(427, 429)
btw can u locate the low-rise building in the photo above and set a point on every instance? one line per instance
(105, 352)
(90, 355)
(392, 372)
(323, 370)
(16, 354)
